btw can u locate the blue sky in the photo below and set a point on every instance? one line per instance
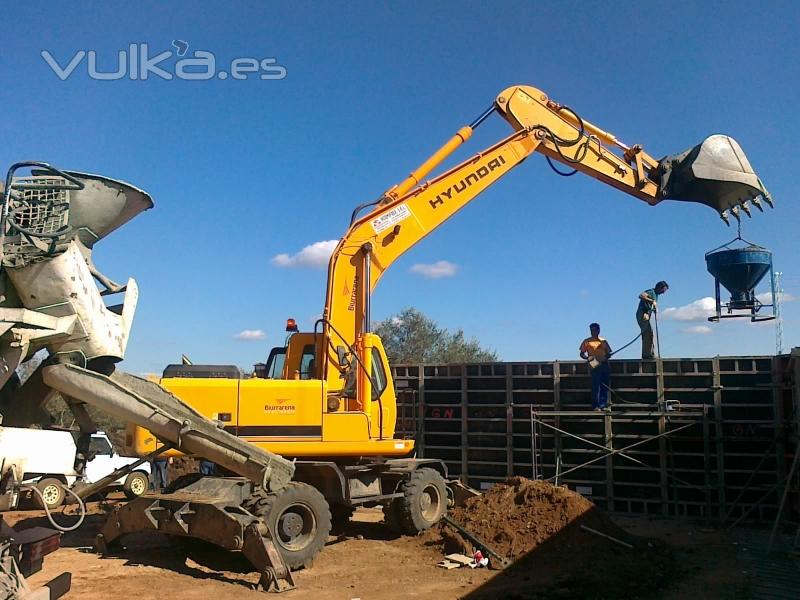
(242, 171)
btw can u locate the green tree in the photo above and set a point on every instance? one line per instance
(412, 337)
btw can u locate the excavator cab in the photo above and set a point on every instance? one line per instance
(716, 173)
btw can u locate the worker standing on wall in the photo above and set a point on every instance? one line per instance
(648, 301)
(597, 351)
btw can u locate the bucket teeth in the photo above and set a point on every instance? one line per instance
(768, 200)
(746, 209)
(735, 213)
(757, 204)
(724, 216)
(715, 172)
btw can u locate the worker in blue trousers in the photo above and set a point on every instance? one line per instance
(158, 469)
(597, 351)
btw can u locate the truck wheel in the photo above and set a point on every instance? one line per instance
(52, 493)
(424, 501)
(135, 485)
(299, 517)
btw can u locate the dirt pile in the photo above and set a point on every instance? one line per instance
(518, 515)
(541, 530)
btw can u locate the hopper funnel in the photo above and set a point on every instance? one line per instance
(739, 270)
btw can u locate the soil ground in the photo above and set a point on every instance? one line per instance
(670, 560)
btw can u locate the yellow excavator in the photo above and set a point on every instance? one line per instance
(326, 399)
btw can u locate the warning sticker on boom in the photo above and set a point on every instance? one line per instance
(391, 218)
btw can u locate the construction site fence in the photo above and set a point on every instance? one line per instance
(703, 438)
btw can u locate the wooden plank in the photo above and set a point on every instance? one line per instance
(718, 431)
(608, 427)
(509, 422)
(464, 438)
(707, 464)
(421, 404)
(662, 466)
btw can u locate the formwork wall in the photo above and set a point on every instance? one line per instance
(720, 454)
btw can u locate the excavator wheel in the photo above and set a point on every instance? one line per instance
(423, 504)
(391, 516)
(340, 515)
(299, 517)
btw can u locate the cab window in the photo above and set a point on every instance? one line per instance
(99, 446)
(307, 362)
(275, 363)
(378, 375)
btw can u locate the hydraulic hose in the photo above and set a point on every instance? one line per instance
(658, 338)
(625, 346)
(61, 528)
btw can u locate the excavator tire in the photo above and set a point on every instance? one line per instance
(424, 501)
(391, 516)
(340, 515)
(299, 517)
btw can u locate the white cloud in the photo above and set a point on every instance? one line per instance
(766, 297)
(697, 329)
(699, 310)
(315, 255)
(440, 268)
(249, 335)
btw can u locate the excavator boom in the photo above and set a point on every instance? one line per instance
(715, 173)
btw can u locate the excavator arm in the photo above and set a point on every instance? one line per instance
(715, 172)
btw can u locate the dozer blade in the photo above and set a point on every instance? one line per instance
(716, 173)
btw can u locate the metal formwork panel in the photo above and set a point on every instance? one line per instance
(477, 418)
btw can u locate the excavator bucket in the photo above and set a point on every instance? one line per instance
(716, 173)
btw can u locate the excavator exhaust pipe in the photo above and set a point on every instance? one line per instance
(716, 173)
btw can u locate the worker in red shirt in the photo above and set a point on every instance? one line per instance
(597, 351)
